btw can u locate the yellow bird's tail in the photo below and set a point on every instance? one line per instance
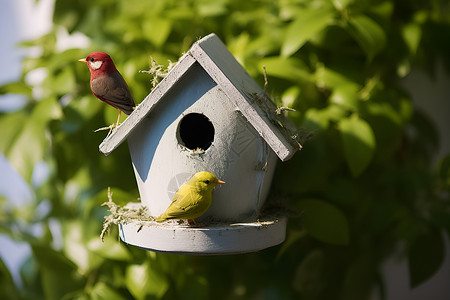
(161, 218)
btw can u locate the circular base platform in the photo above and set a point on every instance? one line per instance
(217, 239)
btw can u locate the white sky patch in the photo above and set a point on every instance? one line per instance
(67, 41)
(35, 78)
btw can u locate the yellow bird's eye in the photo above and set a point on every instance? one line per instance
(206, 181)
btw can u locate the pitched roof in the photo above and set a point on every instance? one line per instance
(247, 96)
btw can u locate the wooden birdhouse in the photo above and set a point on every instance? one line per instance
(207, 114)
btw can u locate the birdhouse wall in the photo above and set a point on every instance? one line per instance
(236, 154)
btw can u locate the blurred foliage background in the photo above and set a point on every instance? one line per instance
(367, 181)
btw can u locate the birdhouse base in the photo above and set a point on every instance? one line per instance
(217, 239)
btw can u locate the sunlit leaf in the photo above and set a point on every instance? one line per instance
(325, 222)
(157, 29)
(63, 83)
(358, 142)
(11, 126)
(142, 280)
(412, 33)
(24, 140)
(15, 88)
(101, 291)
(344, 89)
(75, 246)
(308, 22)
(212, 8)
(342, 4)
(109, 248)
(289, 68)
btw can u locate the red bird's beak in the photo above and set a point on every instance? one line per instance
(83, 60)
(220, 182)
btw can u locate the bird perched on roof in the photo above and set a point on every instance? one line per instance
(192, 199)
(107, 84)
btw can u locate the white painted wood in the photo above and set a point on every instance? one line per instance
(245, 93)
(225, 238)
(162, 165)
(248, 138)
(146, 106)
(242, 90)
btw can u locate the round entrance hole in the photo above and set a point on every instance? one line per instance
(195, 131)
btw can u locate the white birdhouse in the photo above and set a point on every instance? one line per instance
(207, 114)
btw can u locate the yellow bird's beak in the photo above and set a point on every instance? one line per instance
(82, 60)
(220, 182)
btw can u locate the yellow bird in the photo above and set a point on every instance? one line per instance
(192, 199)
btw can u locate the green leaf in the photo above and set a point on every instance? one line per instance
(387, 125)
(292, 237)
(325, 222)
(425, 257)
(67, 13)
(342, 4)
(412, 34)
(119, 197)
(75, 240)
(289, 68)
(142, 280)
(157, 30)
(369, 35)
(344, 89)
(25, 141)
(81, 110)
(8, 289)
(110, 248)
(320, 118)
(212, 8)
(358, 142)
(59, 275)
(11, 126)
(15, 88)
(308, 279)
(308, 22)
(61, 83)
(101, 291)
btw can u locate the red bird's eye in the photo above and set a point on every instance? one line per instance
(92, 59)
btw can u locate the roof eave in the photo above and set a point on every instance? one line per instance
(240, 88)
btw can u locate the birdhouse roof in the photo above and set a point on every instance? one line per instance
(213, 56)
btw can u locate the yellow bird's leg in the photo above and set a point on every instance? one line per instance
(192, 222)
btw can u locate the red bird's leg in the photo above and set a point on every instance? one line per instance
(118, 119)
(112, 126)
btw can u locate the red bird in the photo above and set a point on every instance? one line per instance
(107, 84)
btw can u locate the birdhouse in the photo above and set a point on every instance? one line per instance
(207, 114)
